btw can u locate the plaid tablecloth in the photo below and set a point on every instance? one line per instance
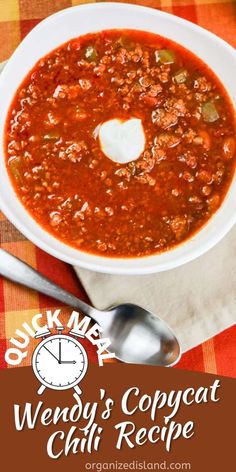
(17, 304)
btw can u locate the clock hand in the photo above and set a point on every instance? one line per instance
(51, 354)
(68, 362)
(59, 351)
(63, 362)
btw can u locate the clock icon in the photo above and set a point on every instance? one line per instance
(59, 362)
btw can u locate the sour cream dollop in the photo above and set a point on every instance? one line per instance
(122, 141)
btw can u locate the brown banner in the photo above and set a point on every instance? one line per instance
(197, 406)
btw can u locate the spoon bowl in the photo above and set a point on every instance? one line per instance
(137, 336)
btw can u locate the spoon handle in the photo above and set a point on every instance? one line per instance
(14, 269)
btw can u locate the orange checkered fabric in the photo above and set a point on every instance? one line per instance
(17, 304)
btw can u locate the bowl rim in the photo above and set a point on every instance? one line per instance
(100, 263)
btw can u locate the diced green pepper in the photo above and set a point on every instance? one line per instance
(165, 56)
(181, 76)
(15, 166)
(125, 43)
(209, 112)
(91, 53)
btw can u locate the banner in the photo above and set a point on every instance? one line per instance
(127, 418)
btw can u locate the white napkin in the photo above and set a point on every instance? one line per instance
(198, 300)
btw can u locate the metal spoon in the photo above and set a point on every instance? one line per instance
(137, 336)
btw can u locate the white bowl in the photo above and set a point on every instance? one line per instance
(80, 20)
